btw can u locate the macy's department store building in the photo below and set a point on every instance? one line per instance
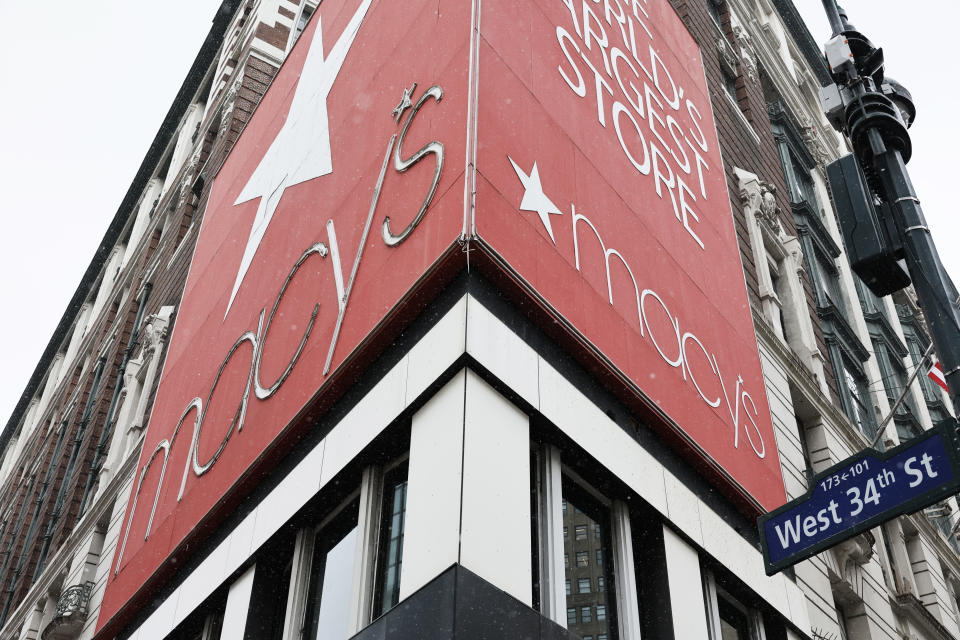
(482, 270)
(465, 348)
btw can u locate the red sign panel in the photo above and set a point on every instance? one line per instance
(601, 182)
(344, 190)
(587, 131)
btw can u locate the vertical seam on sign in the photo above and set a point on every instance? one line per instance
(463, 436)
(473, 83)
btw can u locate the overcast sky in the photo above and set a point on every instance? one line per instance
(88, 83)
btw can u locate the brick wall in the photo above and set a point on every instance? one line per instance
(740, 147)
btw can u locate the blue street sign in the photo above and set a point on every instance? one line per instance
(860, 493)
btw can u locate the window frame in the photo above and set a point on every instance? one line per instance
(713, 593)
(622, 609)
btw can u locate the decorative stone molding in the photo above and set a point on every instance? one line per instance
(728, 58)
(189, 175)
(758, 198)
(748, 55)
(229, 101)
(155, 332)
(813, 141)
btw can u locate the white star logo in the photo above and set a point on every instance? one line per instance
(534, 199)
(301, 150)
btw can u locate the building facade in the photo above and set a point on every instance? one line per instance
(433, 321)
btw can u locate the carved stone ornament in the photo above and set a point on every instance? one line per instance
(813, 141)
(748, 55)
(758, 198)
(155, 332)
(728, 59)
(768, 213)
(229, 100)
(189, 172)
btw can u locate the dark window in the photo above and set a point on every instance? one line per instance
(271, 583)
(328, 601)
(302, 21)
(587, 514)
(714, 12)
(734, 624)
(391, 540)
(856, 391)
(730, 85)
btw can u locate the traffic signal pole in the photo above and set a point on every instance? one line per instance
(875, 125)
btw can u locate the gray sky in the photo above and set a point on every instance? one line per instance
(86, 86)
(918, 49)
(88, 83)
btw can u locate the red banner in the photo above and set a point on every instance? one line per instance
(587, 131)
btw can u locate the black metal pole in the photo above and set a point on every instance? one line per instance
(833, 15)
(935, 291)
(879, 138)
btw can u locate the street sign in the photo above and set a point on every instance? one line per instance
(860, 493)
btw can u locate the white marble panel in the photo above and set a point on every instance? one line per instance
(499, 349)
(432, 522)
(495, 529)
(437, 350)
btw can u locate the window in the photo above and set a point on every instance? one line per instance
(714, 9)
(589, 513)
(733, 621)
(727, 617)
(859, 410)
(206, 622)
(387, 591)
(830, 282)
(271, 586)
(565, 532)
(331, 568)
(591, 609)
(302, 21)
(730, 85)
